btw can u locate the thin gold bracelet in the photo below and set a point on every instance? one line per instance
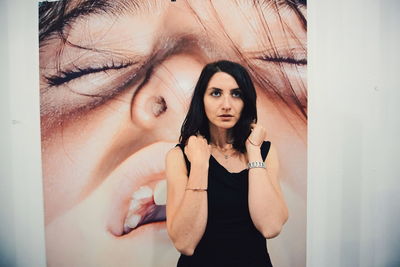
(197, 189)
(252, 142)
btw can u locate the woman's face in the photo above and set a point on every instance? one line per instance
(222, 101)
(113, 99)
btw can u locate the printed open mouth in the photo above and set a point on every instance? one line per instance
(147, 205)
(139, 196)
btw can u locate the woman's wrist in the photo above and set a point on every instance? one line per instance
(252, 149)
(200, 164)
(198, 175)
(255, 144)
(254, 154)
(252, 145)
(196, 189)
(256, 164)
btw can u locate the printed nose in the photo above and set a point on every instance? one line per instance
(162, 103)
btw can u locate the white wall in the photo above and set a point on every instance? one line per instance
(354, 131)
(21, 202)
(353, 195)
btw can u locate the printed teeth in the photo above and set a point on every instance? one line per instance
(135, 204)
(133, 221)
(146, 206)
(160, 193)
(143, 192)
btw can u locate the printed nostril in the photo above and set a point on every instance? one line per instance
(159, 106)
(147, 109)
(163, 100)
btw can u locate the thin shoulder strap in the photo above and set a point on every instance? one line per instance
(182, 147)
(265, 149)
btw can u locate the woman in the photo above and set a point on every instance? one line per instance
(219, 212)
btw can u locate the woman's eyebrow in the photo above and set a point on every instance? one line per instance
(218, 89)
(53, 12)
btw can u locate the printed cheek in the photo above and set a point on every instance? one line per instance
(163, 100)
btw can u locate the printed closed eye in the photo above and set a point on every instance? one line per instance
(280, 59)
(66, 76)
(285, 76)
(289, 67)
(93, 81)
(296, 55)
(87, 87)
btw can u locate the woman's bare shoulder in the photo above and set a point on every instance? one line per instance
(175, 153)
(175, 161)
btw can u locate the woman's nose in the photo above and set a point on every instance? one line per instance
(162, 103)
(226, 103)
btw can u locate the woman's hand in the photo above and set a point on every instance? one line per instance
(197, 149)
(256, 137)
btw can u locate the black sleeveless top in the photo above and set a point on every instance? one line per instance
(230, 238)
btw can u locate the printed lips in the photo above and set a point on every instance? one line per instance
(138, 196)
(147, 205)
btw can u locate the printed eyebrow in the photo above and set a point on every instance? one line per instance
(54, 16)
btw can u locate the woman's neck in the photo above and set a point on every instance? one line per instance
(220, 137)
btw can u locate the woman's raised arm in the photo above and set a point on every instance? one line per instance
(186, 199)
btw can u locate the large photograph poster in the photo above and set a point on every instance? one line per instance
(116, 79)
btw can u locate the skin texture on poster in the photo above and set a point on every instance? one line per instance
(116, 79)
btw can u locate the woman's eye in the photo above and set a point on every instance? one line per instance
(215, 93)
(237, 94)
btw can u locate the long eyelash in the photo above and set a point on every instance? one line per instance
(69, 75)
(284, 60)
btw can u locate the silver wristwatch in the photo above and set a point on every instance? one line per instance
(256, 164)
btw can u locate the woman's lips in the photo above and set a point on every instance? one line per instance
(225, 117)
(139, 194)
